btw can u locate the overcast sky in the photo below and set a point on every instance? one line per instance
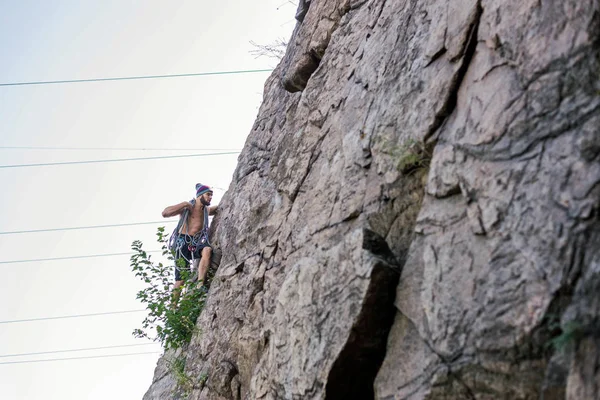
(64, 40)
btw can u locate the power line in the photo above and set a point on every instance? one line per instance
(66, 351)
(75, 257)
(109, 148)
(86, 227)
(118, 160)
(136, 77)
(80, 358)
(70, 316)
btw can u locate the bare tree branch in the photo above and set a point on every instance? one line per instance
(272, 50)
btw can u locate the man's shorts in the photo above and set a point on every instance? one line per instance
(186, 253)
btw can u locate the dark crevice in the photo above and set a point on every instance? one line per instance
(469, 393)
(358, 4)
(377, 245)
(434, 57)
(315, 152)
(556, 373)
(242, 173)
(452, 98)
(379, 12)
(353, 372)
(299, 67)
(303, 6)
(298, 80)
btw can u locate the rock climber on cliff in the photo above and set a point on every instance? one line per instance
(190, 238)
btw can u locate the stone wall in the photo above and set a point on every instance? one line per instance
(415, 212)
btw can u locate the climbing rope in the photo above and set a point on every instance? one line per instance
(177, 241)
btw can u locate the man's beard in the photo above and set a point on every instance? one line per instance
(206, 203)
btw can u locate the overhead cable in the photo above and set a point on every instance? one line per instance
(109, 148)
(127, 78)
(87, 227)
(86, 349)
(118, 160)
(75, 257)
(80, 358)
(70, 316)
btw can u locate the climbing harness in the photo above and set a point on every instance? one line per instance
(177, 241)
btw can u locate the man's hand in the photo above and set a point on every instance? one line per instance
(177, 209)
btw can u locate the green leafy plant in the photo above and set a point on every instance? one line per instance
(170, 322)
(412, 155)
(184, 382)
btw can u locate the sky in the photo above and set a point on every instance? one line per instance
(68, 40)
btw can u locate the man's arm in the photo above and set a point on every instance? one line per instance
(177, 209)
(212, 210)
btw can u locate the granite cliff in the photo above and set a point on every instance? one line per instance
(415, 214)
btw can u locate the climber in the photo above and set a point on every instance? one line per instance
(190, 239)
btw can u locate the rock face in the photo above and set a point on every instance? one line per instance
(417, 215)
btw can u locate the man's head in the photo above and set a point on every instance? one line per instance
(204, 194)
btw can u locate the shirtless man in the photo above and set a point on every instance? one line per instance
(192, 241)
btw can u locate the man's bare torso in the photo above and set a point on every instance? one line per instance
(195, 220)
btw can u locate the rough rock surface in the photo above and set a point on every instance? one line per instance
(417, 215)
